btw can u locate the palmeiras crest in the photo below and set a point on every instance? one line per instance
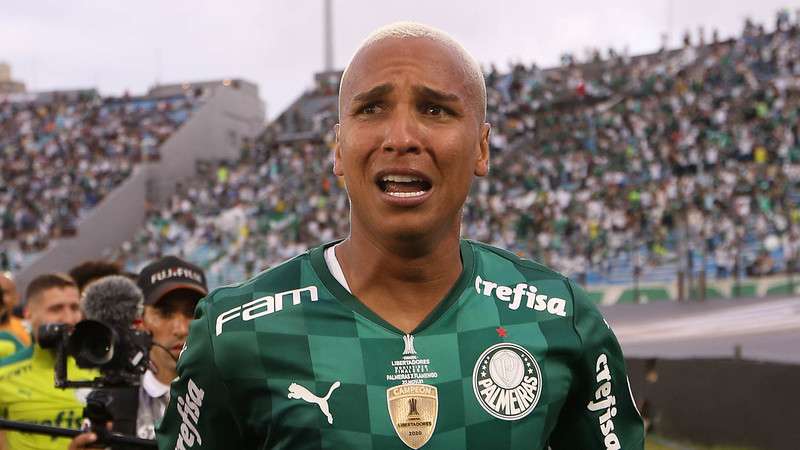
(507, 381)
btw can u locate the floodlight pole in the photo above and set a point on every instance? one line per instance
(328, 25)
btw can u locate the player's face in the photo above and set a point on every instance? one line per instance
(410, 137)
(54, 305)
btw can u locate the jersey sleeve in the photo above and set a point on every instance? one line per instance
(599, 412)
(199, 415)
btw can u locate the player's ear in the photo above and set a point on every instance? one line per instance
(482, 163)
(337, 152)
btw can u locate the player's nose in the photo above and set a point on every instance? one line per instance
(403, 133)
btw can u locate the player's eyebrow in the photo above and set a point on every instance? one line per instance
(373, 94)
(435, 95)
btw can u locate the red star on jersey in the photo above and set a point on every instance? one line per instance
(501, 332)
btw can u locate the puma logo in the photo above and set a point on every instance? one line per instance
(300, 392)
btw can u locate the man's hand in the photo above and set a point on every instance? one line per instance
(85, 440)
(82, 441)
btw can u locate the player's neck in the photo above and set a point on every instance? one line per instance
(412, 259)
(400, 281)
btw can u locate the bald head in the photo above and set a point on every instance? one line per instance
(463, 63)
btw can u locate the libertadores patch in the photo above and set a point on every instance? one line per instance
(507, 381)
(413, 409)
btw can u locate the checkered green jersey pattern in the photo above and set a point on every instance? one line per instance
(519, 356)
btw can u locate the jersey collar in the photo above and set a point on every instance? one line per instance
(317, 256)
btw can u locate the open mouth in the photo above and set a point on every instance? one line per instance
(403, 186)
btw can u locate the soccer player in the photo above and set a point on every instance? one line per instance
(404, 335)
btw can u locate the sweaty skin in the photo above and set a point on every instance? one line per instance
(407, 107)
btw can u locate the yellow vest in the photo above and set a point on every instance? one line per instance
(27, 394)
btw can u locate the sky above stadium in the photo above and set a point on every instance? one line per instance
(119, 46)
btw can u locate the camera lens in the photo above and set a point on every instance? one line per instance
(92, 343)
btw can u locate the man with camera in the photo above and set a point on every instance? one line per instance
(27, 391)
(171, 288)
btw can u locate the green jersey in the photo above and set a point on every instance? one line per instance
(514, 357)
(28, 394)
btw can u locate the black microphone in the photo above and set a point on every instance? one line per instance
(115, 300)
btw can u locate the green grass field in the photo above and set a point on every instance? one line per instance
(659, 443)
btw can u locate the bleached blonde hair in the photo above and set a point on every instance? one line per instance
(410, 30)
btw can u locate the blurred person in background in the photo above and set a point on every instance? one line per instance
(9, 343)
(27, 391)
(11, 325)
(86, 272)
(171, 287)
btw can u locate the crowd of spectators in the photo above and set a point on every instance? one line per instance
(698, 148)
(60, 157)
(682, 158)
(638, 161)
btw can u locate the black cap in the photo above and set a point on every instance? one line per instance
(168, 274)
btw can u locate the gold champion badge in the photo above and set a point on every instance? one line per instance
(413, 409)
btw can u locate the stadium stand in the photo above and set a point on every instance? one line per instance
(615, 168)
(680, 160)
(62, 156)
(78, 169)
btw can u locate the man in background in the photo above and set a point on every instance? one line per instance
(9, 343)
(171, 287)
(27, 385)
(88, 271)
(12, 329)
